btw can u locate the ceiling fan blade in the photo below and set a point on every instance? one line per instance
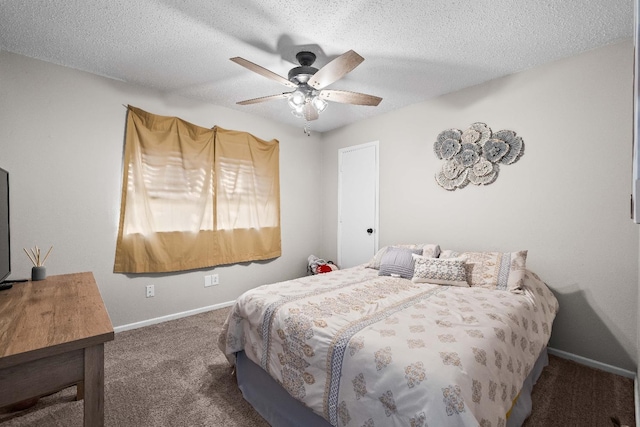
(263, 99)
(335, 69)
(347, 97)
(263, 71)
(310, 113)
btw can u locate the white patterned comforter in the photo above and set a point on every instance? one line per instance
(364, 350)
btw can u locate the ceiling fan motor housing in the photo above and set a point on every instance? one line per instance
(303, 73)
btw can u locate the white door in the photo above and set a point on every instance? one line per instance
(357, 204)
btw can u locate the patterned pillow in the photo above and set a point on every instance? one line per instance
(440, 271)
(493, 270)
(428, 249)
(398, 261)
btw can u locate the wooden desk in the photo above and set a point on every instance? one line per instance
(52, 335)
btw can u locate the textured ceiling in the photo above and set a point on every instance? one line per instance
(414, 50)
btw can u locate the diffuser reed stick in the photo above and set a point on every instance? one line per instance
(35, 256)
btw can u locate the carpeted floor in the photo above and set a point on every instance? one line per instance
(173, 374)
(570, 394)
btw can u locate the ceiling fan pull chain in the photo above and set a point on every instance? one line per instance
(307, 128)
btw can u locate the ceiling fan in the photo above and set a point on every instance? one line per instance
(308, 97)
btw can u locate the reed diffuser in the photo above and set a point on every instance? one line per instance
(38, 271)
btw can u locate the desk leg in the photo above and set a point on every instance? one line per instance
(94, 386)
(80, 390)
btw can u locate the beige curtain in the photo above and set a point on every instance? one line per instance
(194, 197)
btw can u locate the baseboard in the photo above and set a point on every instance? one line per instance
(174, 316)
(592, 363)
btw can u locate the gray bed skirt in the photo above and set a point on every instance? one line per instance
(276, 406)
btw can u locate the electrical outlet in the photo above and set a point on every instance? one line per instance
(151, 291)
(211, 280)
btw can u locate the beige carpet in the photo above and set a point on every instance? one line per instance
(173, 374)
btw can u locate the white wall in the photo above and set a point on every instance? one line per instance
(61, 138)
(566, 200)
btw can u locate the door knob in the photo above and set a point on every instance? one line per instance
(369, 230)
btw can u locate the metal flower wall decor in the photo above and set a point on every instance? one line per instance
(474, 156)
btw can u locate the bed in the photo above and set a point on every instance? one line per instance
(371, 346)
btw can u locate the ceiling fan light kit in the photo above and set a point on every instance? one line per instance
(297, 98)
(319, 103)
(309, 97)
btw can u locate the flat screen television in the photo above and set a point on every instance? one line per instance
(5, 241)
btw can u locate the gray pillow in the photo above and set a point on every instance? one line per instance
(398, 261)
(428, 249)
